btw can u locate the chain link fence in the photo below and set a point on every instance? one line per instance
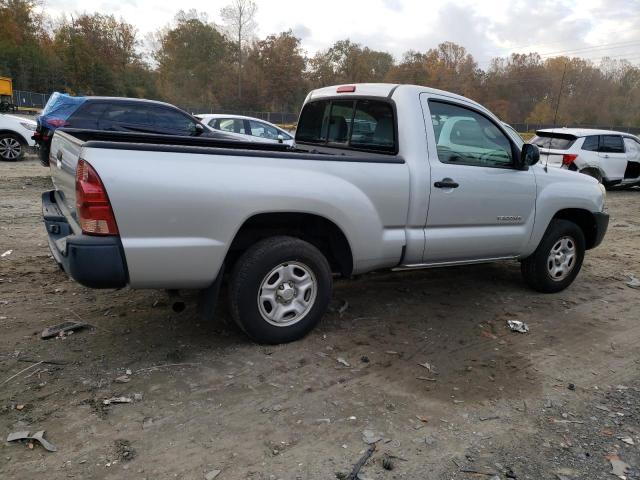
(24, 99)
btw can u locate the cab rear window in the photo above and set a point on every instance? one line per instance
(362, 124)
(554, 141)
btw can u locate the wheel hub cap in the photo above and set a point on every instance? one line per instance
(562, 258)
(287, 294)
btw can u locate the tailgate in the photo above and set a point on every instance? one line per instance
(63, 159)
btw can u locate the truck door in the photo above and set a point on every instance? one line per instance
(480, 207)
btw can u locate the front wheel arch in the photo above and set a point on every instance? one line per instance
(584, 219)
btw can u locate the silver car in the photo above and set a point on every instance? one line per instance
(247, 128)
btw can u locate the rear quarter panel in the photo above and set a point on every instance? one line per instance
(177, 213)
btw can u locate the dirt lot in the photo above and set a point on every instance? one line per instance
(559, 402)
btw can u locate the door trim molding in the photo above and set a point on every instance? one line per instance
(416, 266)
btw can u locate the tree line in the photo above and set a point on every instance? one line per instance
(200, 66)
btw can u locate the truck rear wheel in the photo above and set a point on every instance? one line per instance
(279, 290)
(557, 260)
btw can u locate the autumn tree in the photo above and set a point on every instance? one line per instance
(348, 62)
(25, 46)
(275, 68)
(239, 19)
(99, 56)
(448, 67)
(192, 60)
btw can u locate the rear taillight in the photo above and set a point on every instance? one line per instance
(92, 203)
(57, 122)
(568, 158)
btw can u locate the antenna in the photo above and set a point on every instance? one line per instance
(555, 115)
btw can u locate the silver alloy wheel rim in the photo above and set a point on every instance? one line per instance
(10, 148)
(562, 258)
(287, 294)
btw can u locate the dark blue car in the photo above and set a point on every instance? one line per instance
(114, 114)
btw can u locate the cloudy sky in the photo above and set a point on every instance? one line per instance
(587, 28)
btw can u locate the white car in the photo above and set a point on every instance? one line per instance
(15, 136)
(247, 128)
(611, 157)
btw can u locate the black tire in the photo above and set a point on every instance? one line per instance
(253, 267)
(9, 142)
(535, 268)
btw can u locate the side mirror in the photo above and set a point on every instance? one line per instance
(199, 129)
(530, 156)
(280, 138)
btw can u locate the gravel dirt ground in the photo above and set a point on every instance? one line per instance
(422, 362)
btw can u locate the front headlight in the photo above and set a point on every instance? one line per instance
(28, 126)
(604, 194)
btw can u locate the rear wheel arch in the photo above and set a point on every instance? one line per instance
(584, 219)
(319, 231)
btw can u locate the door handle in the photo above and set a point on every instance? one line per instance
(446, 183)
(59, 155)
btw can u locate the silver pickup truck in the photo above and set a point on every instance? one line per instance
(381, 177)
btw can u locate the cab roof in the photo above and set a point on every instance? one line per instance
(383, 90)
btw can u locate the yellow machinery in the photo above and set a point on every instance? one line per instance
(6, 94)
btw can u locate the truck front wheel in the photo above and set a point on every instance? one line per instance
(279, 290)
(557, 260)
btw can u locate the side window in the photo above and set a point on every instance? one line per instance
(339, 121)
(590, 143)
(633, 148)
(174, 121)
(233, 125)
(125, 115)
(465, 137)
(87, 116)
(611, 144)
(259, 129)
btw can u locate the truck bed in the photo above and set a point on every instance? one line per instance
(207, 145)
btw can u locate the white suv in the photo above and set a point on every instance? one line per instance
(611, 157)
(15, 136)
